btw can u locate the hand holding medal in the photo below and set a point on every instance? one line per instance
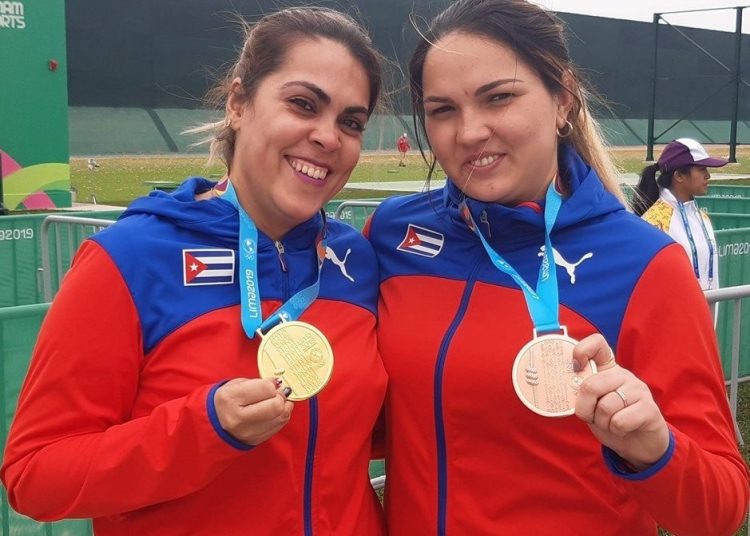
(252, 410)
(619, 408)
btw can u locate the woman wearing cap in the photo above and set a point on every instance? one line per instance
(668, 202)
(491, 426)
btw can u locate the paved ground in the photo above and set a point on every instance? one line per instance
(419, 186)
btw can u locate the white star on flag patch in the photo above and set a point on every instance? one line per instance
(207, 267)
(421, 241)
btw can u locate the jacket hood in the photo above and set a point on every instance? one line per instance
(587, 200)
(215, 217)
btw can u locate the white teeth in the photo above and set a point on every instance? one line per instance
(309, 170)
(484, 161)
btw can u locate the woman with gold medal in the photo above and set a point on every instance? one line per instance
(552, 363)
(184, 381)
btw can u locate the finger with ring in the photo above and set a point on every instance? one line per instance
(621, 394)
(609, 363)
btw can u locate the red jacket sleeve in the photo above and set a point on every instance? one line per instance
(667, 340)
(73, 449)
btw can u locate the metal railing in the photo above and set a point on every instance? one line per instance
(71, 245)
(340, 213)
(735, 295)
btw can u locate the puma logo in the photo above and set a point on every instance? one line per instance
(331, 256)
(569, 267)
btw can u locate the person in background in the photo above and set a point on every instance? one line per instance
(143, 407)
(403, 147)
(552, 364)
(668, 202)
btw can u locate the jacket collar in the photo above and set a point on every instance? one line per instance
(668, 197)
(216, 217)
(504, 226)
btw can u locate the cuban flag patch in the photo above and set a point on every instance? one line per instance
(421, 241)
(207, 267)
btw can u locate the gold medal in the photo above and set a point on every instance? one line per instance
(546, 377)
(300, 355)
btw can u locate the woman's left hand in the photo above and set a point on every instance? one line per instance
(618, 407)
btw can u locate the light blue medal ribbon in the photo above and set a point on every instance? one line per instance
(292, 309)
(693, 248)
(542, 302)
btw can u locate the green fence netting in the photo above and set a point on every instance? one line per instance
(733, 205)
(728, 220)
(21, 254)
(727, 190)
(18, 330)
(734, 270)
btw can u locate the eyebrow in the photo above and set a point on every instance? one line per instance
(492, 85)
(323, 96)
(481, 89)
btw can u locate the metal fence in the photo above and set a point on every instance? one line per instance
(354, 212)
(69, 233)
(735, 295)
(21, 253)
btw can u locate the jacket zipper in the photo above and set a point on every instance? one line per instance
(438, 404)
(285, 272)
(483, 218)
(313, 404)
(311, 443)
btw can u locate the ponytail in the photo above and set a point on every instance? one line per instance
(647, 191)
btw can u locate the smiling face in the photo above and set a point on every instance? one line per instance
(299, 137)
(490, 120)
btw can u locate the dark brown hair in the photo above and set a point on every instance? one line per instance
(265, 47)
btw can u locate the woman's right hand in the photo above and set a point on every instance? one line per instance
(251, 410)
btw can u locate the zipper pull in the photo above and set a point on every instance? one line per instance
(484, 220)
(280, 250)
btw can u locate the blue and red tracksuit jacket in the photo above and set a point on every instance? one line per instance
(464, 456)
(116, 419)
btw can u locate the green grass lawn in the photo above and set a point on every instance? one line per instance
(119, 180)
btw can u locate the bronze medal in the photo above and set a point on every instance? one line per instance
(300, 355)
(546, 377)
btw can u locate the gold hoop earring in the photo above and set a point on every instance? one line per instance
(565, 133)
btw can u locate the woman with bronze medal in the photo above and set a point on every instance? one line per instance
(184, 381)
(552, 364)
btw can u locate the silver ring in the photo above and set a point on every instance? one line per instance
(622, 396)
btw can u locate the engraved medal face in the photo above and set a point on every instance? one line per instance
(300, 355)
(545, 375)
